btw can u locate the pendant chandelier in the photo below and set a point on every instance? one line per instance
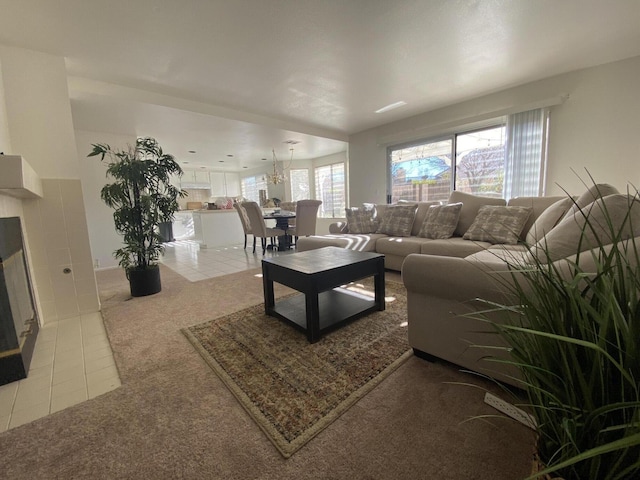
(278, 175)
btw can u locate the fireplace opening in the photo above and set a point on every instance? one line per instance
(18, 316)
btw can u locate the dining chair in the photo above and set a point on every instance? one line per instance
(289, 207)
(258, 226)
(246, 226)
(306, 217)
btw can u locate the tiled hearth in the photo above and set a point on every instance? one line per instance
(72, 363)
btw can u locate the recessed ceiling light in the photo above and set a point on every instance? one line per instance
(185, 163)
(203, 167)
(391, 106)
(245, 167)
(192, 151)
(292, 142)
(264, 159)
(229, 155)
(221, 161)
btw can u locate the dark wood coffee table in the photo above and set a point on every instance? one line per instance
(316, 273)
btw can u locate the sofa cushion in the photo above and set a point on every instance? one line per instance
(421, 213)
(440, 221)
(547, 220)
(498, 224)
(452, 247)
(509, 256)
(361, 220)
(361, 243)
(397, 220)
(470, 206)
(593, 193)
(538, 206)
(590, 227)
(401, 246)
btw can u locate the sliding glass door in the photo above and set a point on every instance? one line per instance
(424, 171)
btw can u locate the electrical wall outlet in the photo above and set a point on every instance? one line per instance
(510, 410)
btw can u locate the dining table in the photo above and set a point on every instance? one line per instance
(282, 218)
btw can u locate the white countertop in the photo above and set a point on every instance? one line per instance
(222, 210)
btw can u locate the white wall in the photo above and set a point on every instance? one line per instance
(5, 139)
(595, 129)
(39, 125)
(93, 174)
(39, 111)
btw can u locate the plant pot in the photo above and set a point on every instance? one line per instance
(144, 282)
(538, 466)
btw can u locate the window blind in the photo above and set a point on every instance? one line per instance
(330, 189)
(526, 153)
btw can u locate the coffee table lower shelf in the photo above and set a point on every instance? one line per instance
(335, 307)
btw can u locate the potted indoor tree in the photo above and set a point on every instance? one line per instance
(142, 197)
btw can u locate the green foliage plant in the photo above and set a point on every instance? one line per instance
(574, 335)
(142, 197)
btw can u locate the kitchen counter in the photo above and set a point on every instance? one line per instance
(217, 228)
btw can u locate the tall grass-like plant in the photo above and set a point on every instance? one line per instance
(575, 338)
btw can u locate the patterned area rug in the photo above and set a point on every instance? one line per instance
(294, 389)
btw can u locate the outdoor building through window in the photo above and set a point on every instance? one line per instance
(330, 188)
(251, 186)
(300, 190)
(506, 159)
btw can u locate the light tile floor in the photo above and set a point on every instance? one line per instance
(73, 362)
(189, 260)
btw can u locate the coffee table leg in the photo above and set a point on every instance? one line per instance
(313, 317)
(379, 286)
(267, 286)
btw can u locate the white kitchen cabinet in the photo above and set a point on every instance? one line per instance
(195, 179)
(201, 176)
(224, 184)
(218, 188)
(232, 183)
(175, 180)
(217, 228)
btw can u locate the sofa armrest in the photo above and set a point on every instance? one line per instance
(455, 278)
(442, 309)
(338, 228)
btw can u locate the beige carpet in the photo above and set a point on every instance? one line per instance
(294, 389)
(173, 418)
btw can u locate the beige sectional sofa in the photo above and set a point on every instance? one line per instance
(397, 248)
(445, 277)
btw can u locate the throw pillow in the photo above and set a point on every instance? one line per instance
(440, 221)
(360, 220)
(470, 206)
(498, 224)
(397, 220)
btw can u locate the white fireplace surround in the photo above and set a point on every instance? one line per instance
(18, 179)
(56, 240)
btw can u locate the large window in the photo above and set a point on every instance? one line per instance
(251, 187)
(425, 172)
(503, 160)
(299, 184)
(330, 188)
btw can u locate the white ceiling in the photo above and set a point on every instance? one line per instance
(240, 77)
